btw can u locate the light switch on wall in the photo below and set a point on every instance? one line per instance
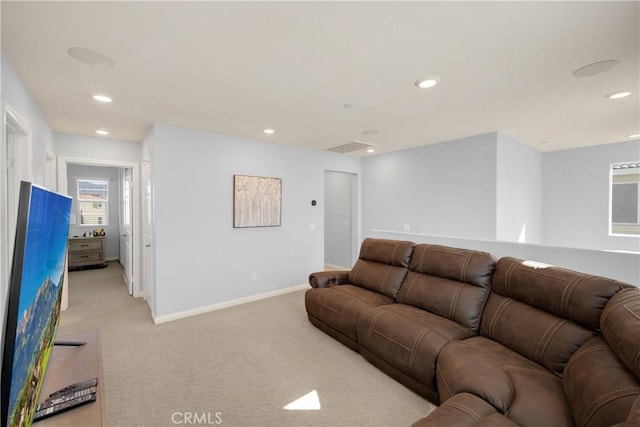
(312, 226)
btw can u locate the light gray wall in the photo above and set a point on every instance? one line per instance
(616, 265)
(14, 94)
(112, 229)
(518, 192)
(338, 232)
(447, 189)
(93, 147)
(18, 98)
(576, 196)
(200, 259)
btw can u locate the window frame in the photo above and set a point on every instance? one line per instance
(614, 228)
(94, 201)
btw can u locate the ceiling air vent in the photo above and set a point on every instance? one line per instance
(354, 145)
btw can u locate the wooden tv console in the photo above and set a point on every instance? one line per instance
(69, 365)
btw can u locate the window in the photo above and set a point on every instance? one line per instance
(93, 202)
(625, 199)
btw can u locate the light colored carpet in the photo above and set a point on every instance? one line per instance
(239, 366)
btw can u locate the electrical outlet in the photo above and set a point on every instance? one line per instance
(254, 277)
(406, 227)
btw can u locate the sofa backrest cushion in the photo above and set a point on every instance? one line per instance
(382, 265)
(542, 312)
(620, 324)
(450, 282)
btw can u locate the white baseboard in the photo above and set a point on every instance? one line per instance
(226, 304)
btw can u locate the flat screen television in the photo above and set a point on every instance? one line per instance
(33, 303)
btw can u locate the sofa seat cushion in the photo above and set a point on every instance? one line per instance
(339, 306)
(407, 338)
(528, 393)
(465, 410)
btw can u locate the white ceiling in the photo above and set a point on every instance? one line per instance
(236, 68)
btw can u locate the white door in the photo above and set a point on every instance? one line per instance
(127, 229)
(147, 232)
(339, 219)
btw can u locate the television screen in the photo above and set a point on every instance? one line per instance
(33, 304)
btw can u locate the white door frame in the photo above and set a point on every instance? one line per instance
(23, 170)
(64, 161)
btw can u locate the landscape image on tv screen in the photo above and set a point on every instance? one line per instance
(43, 263)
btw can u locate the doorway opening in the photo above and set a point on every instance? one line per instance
(340, 219)
(119, 207)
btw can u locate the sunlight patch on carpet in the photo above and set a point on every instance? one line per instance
(308, 402)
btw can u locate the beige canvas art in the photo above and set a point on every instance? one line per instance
(257, 201)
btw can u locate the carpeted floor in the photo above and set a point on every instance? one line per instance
(238, 367)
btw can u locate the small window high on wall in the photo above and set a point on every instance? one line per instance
(625, 199)
(93, 202)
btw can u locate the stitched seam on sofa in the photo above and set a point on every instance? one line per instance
(539, 272)
(566, 294)
(414, 352)
(603, 399)
(464, 268)
(470, 412)
(372, 327)
(583, 353)
(334, 289)
(344, 309)
(410, 287)
(383, 282)
(339, 313)
(496, 316)
(609, 308)
(453, 305)
(546, 339)
(444, 380)
(507, 278)
(392, 340)
(630, 311)
(354, 272)
(529, 370)
(424, 254)
(393, 254)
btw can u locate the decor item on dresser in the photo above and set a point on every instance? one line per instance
(507, 342)
(86, 251)
(257, 201)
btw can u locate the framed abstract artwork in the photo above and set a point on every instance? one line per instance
(257, 201)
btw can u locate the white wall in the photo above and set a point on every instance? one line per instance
(518, 192)
(447, 188)
(200, 259)
(576, 196)
(112, 229)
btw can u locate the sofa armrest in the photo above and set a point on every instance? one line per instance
(326, 279)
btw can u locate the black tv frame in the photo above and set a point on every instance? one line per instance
(13, 300)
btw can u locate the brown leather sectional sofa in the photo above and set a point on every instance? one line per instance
(495, 343)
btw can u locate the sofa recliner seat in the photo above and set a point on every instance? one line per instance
(337, 298)
(440, 301)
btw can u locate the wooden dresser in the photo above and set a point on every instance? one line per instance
(86, 251)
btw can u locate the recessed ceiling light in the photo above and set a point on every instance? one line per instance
(544, 142)
(618, 95)
(102, 98)
(269, 131)
(634, 135)
(371, 150)
(102, 132)
(427, 82)
(596, 68)
(90, 56)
